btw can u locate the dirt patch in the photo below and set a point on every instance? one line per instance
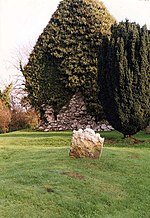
(137, 141)
(134, 156)
(110, 141)
(75, 175)
(50, 190)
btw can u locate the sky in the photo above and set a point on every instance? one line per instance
(22, 21)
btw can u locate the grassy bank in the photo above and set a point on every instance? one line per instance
(39, 180)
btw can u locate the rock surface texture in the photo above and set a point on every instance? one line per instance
(72, 116)
(86, 143)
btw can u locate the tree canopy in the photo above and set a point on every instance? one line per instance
(64, 59)
(124, 77)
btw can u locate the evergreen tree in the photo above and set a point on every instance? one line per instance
(64, 59)
(0, 94)
(124, 77)
(5, 95)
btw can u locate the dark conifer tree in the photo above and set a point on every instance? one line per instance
(124, 77)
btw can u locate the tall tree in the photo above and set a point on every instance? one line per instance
(64, 59)
(124, 77)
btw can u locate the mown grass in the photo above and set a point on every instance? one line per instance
(39, 180)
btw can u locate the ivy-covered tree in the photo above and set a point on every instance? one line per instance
(124, 77)
(64, 59)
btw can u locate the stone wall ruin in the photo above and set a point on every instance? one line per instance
(72, 116)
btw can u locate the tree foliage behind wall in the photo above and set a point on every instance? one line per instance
(64, 59)
(124, 75)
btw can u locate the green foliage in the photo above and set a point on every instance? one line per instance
(0, 94)
(5, 95)
(124, 76)
(64, 59)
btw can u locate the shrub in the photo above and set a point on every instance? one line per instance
(22, 120)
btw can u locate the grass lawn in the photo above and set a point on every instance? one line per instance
(39, 180)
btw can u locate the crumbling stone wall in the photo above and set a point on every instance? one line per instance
(72, 116)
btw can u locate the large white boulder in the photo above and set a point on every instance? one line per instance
(86, 143)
